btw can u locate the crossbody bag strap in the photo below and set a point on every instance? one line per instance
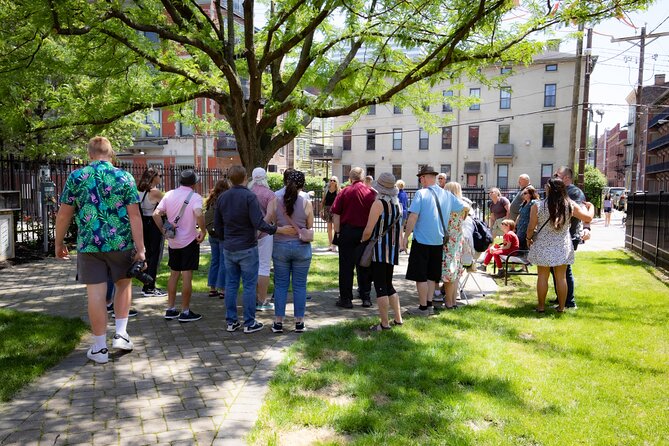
(441, 217)
(183, 207)
(380, 235)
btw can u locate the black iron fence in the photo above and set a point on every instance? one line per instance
(23, 175)
(647, 227)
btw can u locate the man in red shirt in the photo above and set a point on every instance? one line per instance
(350, 211)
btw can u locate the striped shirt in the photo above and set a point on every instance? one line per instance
(387, 247)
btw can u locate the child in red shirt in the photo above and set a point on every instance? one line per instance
(511, 244)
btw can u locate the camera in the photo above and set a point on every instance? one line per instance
(136, 271)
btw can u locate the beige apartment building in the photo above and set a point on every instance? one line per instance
(522, 127)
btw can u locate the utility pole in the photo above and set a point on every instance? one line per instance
(576, 94)
(639, 131)
(584, 114)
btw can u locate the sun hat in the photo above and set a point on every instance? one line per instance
(385, 184)
(427, 170)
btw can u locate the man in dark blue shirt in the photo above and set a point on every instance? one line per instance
(238, 217)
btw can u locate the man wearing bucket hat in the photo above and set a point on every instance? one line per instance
(184, 248)
(429, 212)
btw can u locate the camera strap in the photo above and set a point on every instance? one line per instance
(183, 208)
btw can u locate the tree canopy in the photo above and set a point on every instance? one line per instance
(68, 66)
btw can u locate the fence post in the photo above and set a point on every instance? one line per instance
(643, 226)
(659, 220)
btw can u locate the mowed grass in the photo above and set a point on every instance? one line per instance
(489, 374)
(30, 343)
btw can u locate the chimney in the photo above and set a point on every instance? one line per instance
(659, 79)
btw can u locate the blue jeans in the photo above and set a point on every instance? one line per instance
(216, 278)
(291, 258)
(241, 265)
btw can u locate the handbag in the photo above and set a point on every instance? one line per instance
(305, 235)
(169, 228)
(368, 252)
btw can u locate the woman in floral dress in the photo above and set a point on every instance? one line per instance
(451, 266)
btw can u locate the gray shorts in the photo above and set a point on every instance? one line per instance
(97, 267)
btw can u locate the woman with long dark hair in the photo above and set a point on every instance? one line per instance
(150, 196)
(291, 256)
(330, 194)
(216, 276)
(551, 246)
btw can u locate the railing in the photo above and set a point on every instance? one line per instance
(659, 142)
(657, 168)
(647, 227)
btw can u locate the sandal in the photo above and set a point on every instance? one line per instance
(536, 310)
(379, 327)
(396, 324)
(213, 293)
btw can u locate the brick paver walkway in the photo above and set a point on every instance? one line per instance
(186, 384)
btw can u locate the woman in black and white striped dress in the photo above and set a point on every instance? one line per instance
(385, 213)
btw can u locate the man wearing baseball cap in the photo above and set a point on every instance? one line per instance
(183, 208)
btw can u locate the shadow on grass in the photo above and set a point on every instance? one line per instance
(391, 374)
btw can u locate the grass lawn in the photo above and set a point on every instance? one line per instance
(30, 343)
(493, 373)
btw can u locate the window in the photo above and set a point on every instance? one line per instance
(550, 91)
(475, 93)
(504, 134)
(446, 169)
(185, 130)
(446, 106)
(551, 67)
(548, 135)
(546, 173)
(505, 70)
(345, 170)
(423, 140)
(153, 120)
(371, 139)
(370, 170)
(505, 98)
(472, 180)
(446, 138)
(397, 110)
(272, 168)
(473, 137)
(153, 37)
(371, 110)
(503, 176)
(397, 139)
(397, 171)
(347, 140)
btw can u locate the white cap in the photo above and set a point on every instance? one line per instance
(258, 173)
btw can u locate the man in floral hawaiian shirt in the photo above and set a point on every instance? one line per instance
(103, 201)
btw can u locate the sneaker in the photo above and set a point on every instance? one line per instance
(122, 342)
(299, 327)
(266, 306)
(482, 268)
(430, 310)
(418, 312)
(156, 292)
(366, 303)
(171, 314)
(566, 307)
(101, 356)
(131, 312)
(277, 327)
(191, 316)
(258, 306)
(256, 326)
(439, 298)
(233, 327)
(344, 304)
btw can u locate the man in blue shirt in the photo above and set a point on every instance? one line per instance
(429, 234)
(238, 217)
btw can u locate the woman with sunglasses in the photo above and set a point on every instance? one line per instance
(150, 196)
(328, 199)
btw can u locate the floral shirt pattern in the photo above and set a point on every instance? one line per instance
(451, 265)
(100, 193)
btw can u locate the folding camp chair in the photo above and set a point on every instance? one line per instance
(468, 262)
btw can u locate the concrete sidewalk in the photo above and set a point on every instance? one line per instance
(185, 384)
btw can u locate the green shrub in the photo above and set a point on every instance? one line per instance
(594, 181)
(275, 181)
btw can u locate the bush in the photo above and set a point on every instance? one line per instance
(275, 181)
(594, 181)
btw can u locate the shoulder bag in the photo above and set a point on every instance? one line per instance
(171, 228)
(368, 252)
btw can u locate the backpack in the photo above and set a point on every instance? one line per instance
(482, 235)
(209, 220)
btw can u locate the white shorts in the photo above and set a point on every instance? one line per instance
(265, 246)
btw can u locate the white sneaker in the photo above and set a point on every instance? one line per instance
(122, 342)
(101, 356)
